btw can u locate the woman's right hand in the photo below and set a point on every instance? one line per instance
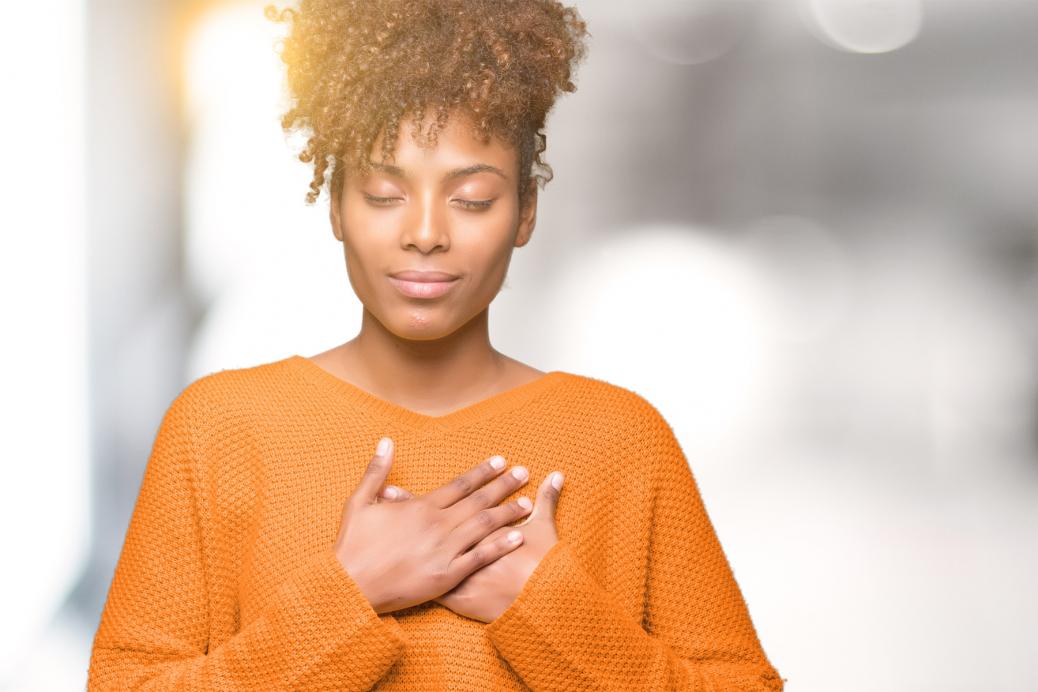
(406, 552)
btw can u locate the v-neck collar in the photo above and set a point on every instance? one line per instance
(387, 410)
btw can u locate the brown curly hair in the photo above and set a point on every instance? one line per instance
(358, 67)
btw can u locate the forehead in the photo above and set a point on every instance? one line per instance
(457, 148)
(448, 175)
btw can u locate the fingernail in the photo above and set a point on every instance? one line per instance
(556, 480)
(520, 473)
(524, 502)
(514, 536)
(497, 462)
(391, 493)
(383, 447)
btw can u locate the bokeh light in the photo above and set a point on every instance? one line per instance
(864, 26)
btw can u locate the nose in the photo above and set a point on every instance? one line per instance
(425, 227)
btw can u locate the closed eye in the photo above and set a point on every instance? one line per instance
(381, 201)
(475, 204)
(471, 204)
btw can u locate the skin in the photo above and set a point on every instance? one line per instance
(450, 545)
(433, 357)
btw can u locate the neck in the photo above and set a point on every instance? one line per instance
(424, 372)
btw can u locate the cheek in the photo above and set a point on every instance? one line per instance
(364, 241)
(487, 273)
(362, 264)
(484, 252)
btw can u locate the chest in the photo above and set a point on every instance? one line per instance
(291, 506)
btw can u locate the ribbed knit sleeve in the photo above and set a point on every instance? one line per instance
(566, 632)
(318, 632)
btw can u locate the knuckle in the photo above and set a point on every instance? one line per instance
(435, 522)
(485, 518)
(462, 483)
(426, 513)
(481, 498)
(441, 570)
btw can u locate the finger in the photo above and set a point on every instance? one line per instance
(486, 521)
(394, 493)
(483, 554)
(447, 495)
(548, 497)
(490, 494)
(375, 474)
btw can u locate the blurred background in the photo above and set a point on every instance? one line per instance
(806, 231)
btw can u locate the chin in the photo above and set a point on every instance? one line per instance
(420, 325)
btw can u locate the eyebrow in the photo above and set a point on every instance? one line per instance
(450, 175)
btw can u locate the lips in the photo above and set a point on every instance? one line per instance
(419, 284)
(423, 276)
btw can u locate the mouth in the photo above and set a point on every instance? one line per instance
(423, 284)
(423, 275)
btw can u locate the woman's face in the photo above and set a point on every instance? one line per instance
(453, 209)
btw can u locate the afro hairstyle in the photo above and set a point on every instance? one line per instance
(358, 68)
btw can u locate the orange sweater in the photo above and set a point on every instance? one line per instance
(227, 579)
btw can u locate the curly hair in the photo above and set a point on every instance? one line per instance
(356, 68)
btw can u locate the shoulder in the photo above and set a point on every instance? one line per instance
(214, 422)
(619, 406)
(623, 421)
(230, 396)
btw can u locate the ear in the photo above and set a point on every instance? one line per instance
(333, 214)
(527, 217)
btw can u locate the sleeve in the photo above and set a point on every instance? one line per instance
(564, 631)
(318, 632)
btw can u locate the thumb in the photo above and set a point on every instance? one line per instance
(547, 498)
(375, 475)
(394, 493)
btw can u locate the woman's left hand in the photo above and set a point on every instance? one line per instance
(486, 593)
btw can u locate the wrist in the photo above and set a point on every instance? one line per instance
(360, 578)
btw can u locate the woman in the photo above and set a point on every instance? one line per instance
(243, 567)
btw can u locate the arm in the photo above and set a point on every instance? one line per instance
(564, 631)
(318, 632)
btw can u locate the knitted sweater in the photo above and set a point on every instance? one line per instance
(227, 579)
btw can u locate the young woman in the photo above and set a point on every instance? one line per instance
(273, 546)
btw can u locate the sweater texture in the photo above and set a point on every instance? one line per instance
(227, 579)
